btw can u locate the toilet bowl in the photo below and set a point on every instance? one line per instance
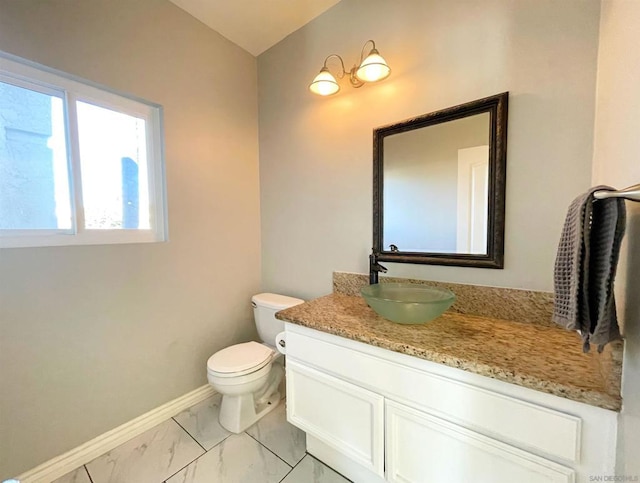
(248, 379)
(248, 374)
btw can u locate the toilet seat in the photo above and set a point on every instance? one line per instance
(239, 360)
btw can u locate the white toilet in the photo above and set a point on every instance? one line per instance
(248, 375)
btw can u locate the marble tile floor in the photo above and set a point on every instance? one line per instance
(192, 447)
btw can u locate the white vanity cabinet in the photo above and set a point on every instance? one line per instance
(357, 432)
(377, 415)
(425, 448)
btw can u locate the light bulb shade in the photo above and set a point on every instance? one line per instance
(324, 83)
(373, 68)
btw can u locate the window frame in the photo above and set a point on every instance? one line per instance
(26, 74)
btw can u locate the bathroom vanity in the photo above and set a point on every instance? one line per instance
(463, 398)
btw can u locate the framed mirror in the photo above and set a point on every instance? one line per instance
(439, 186)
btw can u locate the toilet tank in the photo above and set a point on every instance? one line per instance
(265, 305)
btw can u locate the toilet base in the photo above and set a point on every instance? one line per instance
(237, 413)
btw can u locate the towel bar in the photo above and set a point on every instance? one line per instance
(631, 193)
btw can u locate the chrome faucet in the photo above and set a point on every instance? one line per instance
(375, 268)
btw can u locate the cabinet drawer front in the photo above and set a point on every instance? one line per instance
(346, 417)
(531, 426)
(425, 449)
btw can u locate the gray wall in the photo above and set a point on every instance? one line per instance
(94, 336)
(616, 162)
(315, 153)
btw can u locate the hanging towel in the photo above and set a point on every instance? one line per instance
(585, 268)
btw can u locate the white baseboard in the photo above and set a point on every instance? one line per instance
(83, 454)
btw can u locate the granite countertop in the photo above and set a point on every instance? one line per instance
(547, 359)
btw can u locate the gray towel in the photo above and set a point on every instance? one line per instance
(586, 267)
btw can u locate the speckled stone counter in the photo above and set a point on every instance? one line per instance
(547, 359)
(494, 302)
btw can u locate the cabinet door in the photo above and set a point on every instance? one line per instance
(423, 448)
(346, 417)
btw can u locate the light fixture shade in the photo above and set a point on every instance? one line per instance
(373, 68)
(324, 83)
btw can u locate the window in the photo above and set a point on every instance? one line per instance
(78, 164)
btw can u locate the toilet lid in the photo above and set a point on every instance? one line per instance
(240, 358)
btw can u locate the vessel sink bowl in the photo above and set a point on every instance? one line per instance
(407, 303)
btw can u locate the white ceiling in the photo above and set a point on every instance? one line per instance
(255, 25)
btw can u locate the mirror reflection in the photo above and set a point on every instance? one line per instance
(439, 186)
(436, 187)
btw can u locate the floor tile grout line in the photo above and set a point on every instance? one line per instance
(294, 467)
(178, 471)
(88, 474)
(196, 459)
(190, 435)
(330, 467)
(285, 476)
(185, 466)
(164, 480)
(257, 441)
(319, 461)
(305, 455)
(268, 449)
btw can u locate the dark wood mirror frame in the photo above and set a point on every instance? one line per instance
(497, 107)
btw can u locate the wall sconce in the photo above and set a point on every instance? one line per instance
(373, 68)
